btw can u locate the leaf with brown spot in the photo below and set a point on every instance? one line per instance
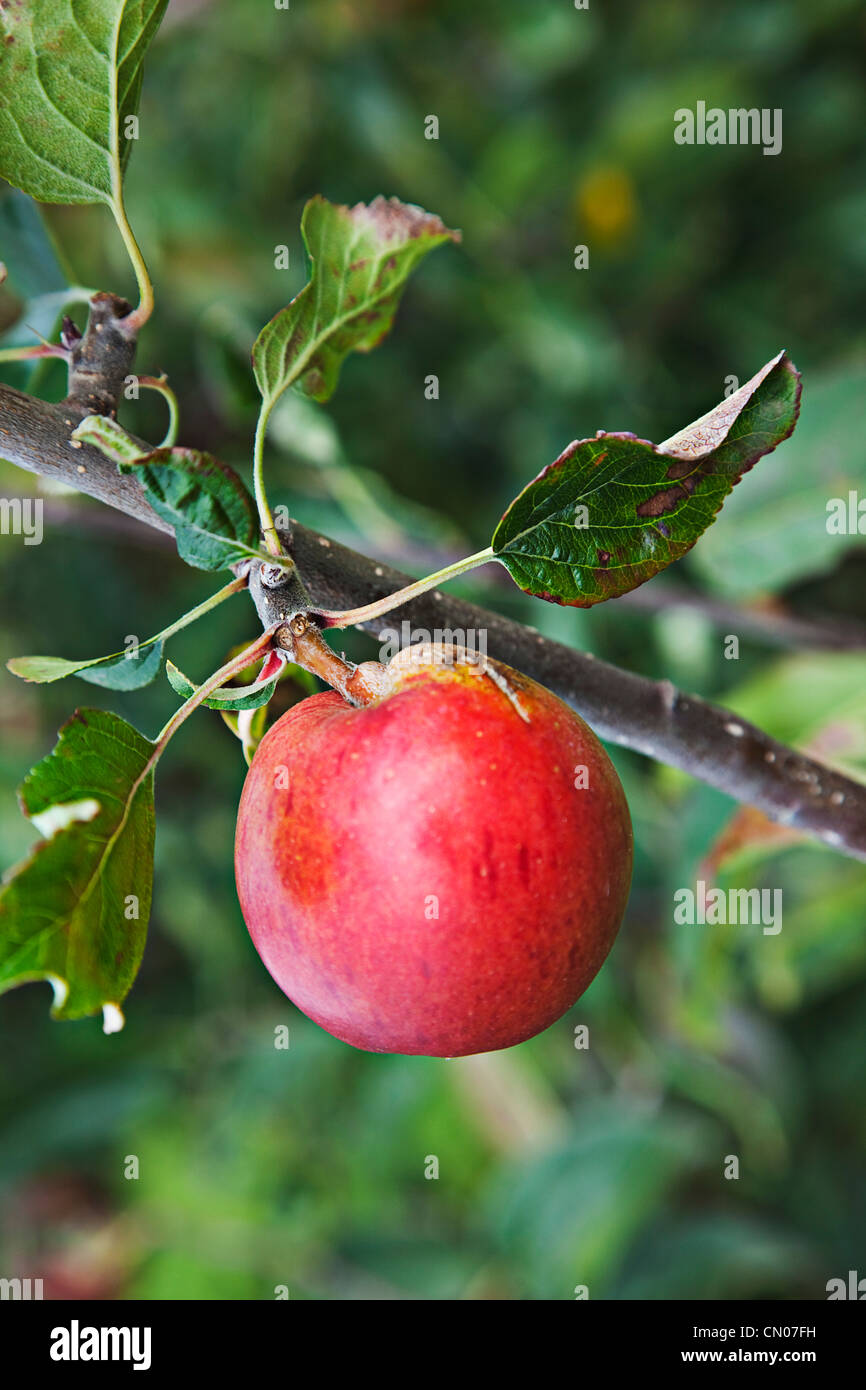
(647, 504)
(360, 260)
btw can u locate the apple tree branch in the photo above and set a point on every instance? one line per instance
(650, 717)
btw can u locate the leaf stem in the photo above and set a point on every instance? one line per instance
(160, 384)
(235, 586)
(139, 316)
(330, 617)
(21, 354)
(266, 520)
(19, 665)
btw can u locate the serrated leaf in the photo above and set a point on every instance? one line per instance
(121, 671)
(613, 511)
(360, 260)
(204, 500)
(232, 699)
(76, 912)
(70, 76)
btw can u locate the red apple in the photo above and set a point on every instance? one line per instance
(441, 871)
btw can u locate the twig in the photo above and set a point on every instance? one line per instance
(101, 360)
(650, 717)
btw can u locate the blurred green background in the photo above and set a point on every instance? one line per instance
(558, 1166)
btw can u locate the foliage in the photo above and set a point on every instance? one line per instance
(71, 82)
(76, 913)
(360, 259)
(613, 511)
(305, 1166)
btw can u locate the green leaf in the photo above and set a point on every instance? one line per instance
(121, 671)
(76, 912)
(204, 500)
(70, 76)
(613, 511)
(361, 258)
(232, 699)
(110, 438)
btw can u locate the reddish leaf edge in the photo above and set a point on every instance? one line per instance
(784, 361)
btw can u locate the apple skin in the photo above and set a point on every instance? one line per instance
(452, 793)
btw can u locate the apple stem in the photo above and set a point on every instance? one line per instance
(360, 685)
(332, 617)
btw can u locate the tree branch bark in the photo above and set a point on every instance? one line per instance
(650, 717)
